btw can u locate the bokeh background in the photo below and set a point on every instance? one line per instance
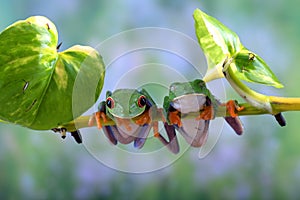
(264, 163)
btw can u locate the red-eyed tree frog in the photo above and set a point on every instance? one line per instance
(189, 97)
(132, 111)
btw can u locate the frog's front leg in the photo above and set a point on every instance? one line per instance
(144, 118)
(207, 112)
(108, 130)
(174, 118)
(233, 108)
(172, 144)
(97, 116)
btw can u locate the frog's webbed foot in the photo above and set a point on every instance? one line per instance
(233, 108)
(174, 118)
(233, 120)
(144, 118)
(97, 116)
(207, 113)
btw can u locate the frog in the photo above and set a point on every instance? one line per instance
(132, 112)
(194, 97)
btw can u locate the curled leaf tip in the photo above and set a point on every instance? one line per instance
(213, 73)
(252, 68)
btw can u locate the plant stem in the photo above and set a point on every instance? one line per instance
(255, 99)
(261, 104)
(282, 104)
(278, 104)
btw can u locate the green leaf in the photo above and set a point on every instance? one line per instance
(216, 40)
(36, 81)
(221, 45)
(252, 68)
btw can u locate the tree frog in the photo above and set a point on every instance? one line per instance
(188, 97)
(132, 111)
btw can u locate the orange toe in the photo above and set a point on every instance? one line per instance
(206, 114)
(174, 118)
(233, 108)
(157, 134)
(143, 119)
(98, 119)
(98, 116)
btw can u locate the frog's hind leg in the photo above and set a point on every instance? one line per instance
(142, 136)
(233, 120)
(236, 124)
(109, 133)
(121, 136)
(172, 144)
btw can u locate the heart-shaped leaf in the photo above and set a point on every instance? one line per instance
(36, 81)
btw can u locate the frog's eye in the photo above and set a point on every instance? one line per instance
(110, 102)
(142, 101)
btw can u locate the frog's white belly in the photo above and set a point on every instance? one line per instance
(189, 103)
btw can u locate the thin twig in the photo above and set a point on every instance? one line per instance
(279, 104)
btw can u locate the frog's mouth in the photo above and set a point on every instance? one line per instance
(127, 116)
(189, 103)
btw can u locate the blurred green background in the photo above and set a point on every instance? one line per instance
(264, 163)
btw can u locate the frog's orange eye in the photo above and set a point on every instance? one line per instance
(142, 101)
(110, 102)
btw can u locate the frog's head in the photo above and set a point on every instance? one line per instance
(187, 96)
(126, 103)
(183, 88)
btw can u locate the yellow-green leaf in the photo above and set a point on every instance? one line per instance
(216, 40)
(221, 45)
(36, 81)
(252, 68)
